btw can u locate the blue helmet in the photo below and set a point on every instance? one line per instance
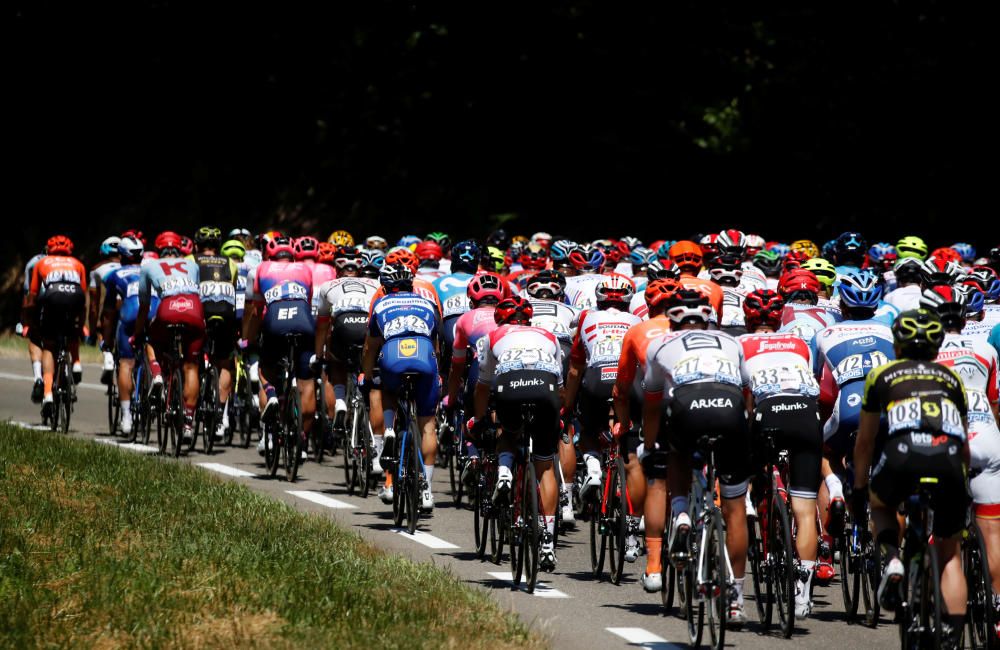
(408, 240)
(781, 250)
(878, 251)
(372, 257)
(560, 250)
(465, 257)
(663, 252)
(587, 258)
(967, 251)
(827, 250)
(850, 248)
(642, 256)
(860, 290)
(975, 301)
(110, 246)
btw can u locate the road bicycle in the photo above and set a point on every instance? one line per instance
(410, 481)
(63, 387)
(612, 521)
(283, 438)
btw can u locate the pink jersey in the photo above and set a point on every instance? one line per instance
(280, 280)
(470, 327)
(599, 338)
(518, 347)
(777, 364)
(321, 274)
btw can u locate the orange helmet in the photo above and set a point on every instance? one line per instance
(59, 245)
(405, 257)
(660, 292)
(327, 252)
(686, 255)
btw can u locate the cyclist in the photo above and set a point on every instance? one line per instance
(377, 242)
(770, 265)
(782, 392)
(218, 279)
(402, 338)
(235, 250)
(175, 280)
(110, 260)
(802, 314)
(430, 255)
(342, 238)
(849, 252)
(687, 256)
(451, 292)
(422, 288)
(588, 261)
(912, 246)
(639, 260)
(627, 395)
(559, 254)
(252, 256)
(533, 258)
(521, 364)
(701, 369)
(593, 368)
(826, 273)
(925, 408)
(909, 278)
(726, 270)
(307, 251)
(444, 241)
(733, 243)
(59, 290)
(121, 307)
(30, 332)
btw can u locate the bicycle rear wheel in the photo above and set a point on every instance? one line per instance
(480, 516)
(209, 409)
(981, 615)
(850, 569)
(273, 435)
(414, 472)
(781, 564)
(616, 522)
(694, 606)
(293, 433)
(176, 411)
(598, 540)
(755, 560)
(922, 627)
(531, 535)
(320, 425)
(717, 589)
(871, 575)
(114, 404)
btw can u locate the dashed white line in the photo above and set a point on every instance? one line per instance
(542, 590)
(225, 469)
(11, 375)
(35, 427)
(642, 638)
(131, 446)
(423, 538)
(321, 499)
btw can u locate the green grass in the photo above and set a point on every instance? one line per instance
(16, 347)
(101, 548)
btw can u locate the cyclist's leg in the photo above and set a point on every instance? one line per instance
(306, 383)
(734, 470)
(126, 363)
(635, 477)
(950, 502)
(594, 416)
(984, 447)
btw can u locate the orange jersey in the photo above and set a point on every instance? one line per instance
(707, 287)
(633, 358)
(422, 288)
(53, 269)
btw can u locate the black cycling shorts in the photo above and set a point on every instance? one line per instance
(907, 458)
(286, 320)
(593, 406)
(60, 310)
(696, 410)
(800, 431)
(347, 337)
(541, 389)
(221, 329)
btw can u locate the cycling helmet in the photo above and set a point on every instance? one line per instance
(280, 248)
(941, 271)
(485, 288)
(534, 257)
(878, 252)
(917, 334)
(779, 248)
(347, 259)
(542, 239)
(828, 249)
(135, 234)
(732, 242)
(396, 277)
(240, 233)
(587, 258)
(794, 260)
(376, 241)
(986, 280)
(641, 257)
(709, 247)
(656, 245)
(911, 246)
(498, 238)
(131, 249)
(306, 248)
(492, 259)
(763, 307)
(860, 290)
(909, 270)
(547, 285)
(110, 246)
(327, 253)
(429, 251)
(687, 306)
(975, 301)
(233, 249)
(513, 310)
(807, 246)
(631, 242)
(187, 246)
(948, 303)
(768, 262)
(617, 253)
(799, 284)
(265, 237)
(403, 256)
(662, 270)
(559, 251)
(850, 248)
(519, 239)
(946, 253)
(341, 238)
(726, 269)
(823, 269)
(888, 261)
(465, 257)
(167, 240)
(603, 244)
(966, 251)
(755, 244)
(208, 237)
(441, 239)
(660, 293)
(687, 255)
(614, 289)
(372, 257)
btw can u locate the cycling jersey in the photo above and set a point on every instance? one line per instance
(58, 273)
(632, 362)
(554, 316)
(321, 274)
(711, 290)
(60, 283)
(345, 295)
(451, 291)
(805, 321)
(408, 323)
(732, 309)
(777, 364)
(832, 306)
(516, 348)
(598, 341)
(29, 270)
(242, 272)
(638, 306)
(422, 288)
(983, 327)
(429, 275)
(123, 283)
(278, 281)
(471, 327)
(692, 357)
(217, 280)
(100, 273)
(175, 281)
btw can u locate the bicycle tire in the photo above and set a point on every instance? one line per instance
(850, 569)
(210, 409)
(480, 517)
(598, 540)
(225, 410)
(694, 608)
(781, 564)
(320, 425)
(501, 517)
(398, 501)
(871, 575)
(348, 451)
(69, 397)
(516, 528)
(271, 433)
(617, 525)
(414, 472)
(293, 438)
(367, 452)
(921, 628)
(755, 557)
(162, 432)
(715, 569)
(114, 404)
(668, 575)
(531, 537)
(981, 614)
(177, 411)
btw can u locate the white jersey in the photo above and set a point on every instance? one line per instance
(981, 328)
(101, 272)
(510, 348)
(772, 284)
(638, 306)
(732, 307)
(692, 357)
(429, 275)
(832, 306)
(346, 295)
(753, 278)
(905, 298)
(580, 290)
(598, 341)
(554, 316)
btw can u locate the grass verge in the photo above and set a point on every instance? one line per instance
(16, 347)
(100, 548)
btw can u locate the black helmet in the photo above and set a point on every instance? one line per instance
(208, 237)
(918, 334)
(396, 277)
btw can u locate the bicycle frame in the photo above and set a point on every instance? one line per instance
(709, 509)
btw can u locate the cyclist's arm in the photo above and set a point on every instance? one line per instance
(145, 289)
(373, 343)
(627, 363)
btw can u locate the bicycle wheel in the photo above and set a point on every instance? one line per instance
(273, 436)
(162, 426)
(398, 500)
(348, 451)
(176, 411)
(755, 560)
(981, 616)
(69, 397)
(367, 450)
(850, 569)
(114, 404)
(293, 433)
(414, 473)
(715, 572)
(352, 454)
(921, 628)
(598, 540)
(531, 536)
(209, 409)
(668, 575)
(616, 523)
(321, 425)
(517, 528)
(480, 516)
(694, 607)
(224, 410)
(781, 565)
(871, 575)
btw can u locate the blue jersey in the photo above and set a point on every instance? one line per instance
(408, 323)
(403, 314)
(848, 351)
(451, 290)
(124, 283)
(886, 313)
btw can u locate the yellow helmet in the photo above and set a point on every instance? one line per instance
(807, 246)
(823, 269)
(519, 239)
(341, 238)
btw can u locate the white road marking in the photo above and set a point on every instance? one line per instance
(643, 638)
(10, 375)
(321, 499)
(35, 427)
(225, 469)
(542, 590)
(131, 446)
(423, 538)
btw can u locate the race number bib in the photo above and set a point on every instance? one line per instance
(914, 414)
(979, 406)
(455, 305)
(771, 381)
(217, 291)
(857, 366)
(409, 324)
(706, 368)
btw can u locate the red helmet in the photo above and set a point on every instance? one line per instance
(187, 246)
(511, 309)
(710, 245)
(405, 257)
(687, 255)
(59, 245)
(429, 250)
(655, 246)
(534, 257)
(661, 292)
(280, 246)
(947, 254)
(168, 239)
(732, 241)
(798, 280)
(614, 289)
(794, 259)
(485, 286)
(134, 233)
(763, 307)
(306, 248)
(327, 253)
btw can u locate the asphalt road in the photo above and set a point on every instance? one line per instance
(570, 607)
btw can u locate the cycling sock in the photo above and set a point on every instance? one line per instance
(738, 585)
(835, 487)
(126, 405)
(77, 366)
(340, 391)
(506, 459)
(810, 567)
(389, 415)
(550, 523)
(154, 368)
(678, 505)
(593, 463)
(36, 369)
(654, 563)
(225, 413)
(429, 473)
